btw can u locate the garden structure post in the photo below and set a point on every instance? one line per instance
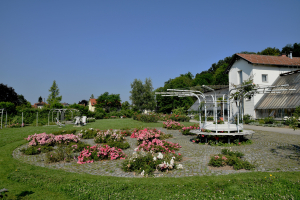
(1, 117)
(37, 118)
(215, 108)
(6, 119)
(228, 140)
(223, 108)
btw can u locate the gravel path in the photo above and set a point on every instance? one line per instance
(270, 151)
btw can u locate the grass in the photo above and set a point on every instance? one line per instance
(26, 181)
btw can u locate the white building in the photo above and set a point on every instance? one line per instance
(263, 69)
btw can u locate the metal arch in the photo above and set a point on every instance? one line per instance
(60, 110)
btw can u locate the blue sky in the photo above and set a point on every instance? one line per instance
(90, 47)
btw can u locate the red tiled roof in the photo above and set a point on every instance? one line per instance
(265, 60)
(93, 102)
(270, 60)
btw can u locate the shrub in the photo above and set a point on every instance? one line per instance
(147, 162)
(99, 152)
(172, 125)
(230, 158)
(269, 120)
(63, 132)
(120, 145)
(145, 118)
(88, 133)
(210, 119)
(108, 136)
(247, 119)
(187, 130)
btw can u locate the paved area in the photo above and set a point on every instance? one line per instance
(284, 130)
(270, 151)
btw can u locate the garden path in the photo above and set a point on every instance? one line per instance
(270, 151)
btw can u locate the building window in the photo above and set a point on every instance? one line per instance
(240, 74)
(264, 77)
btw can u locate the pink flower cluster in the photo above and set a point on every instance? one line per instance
(186, 130)
(157, 145)
(109, 135)
(43, 138)
(146, 134)
(104, 152)
(170, 124)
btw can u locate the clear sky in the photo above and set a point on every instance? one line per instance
(90, 47)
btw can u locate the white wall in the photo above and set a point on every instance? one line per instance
(256, 71)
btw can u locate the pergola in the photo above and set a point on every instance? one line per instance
(60, 111)
(227, 128)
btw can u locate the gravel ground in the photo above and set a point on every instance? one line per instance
(270, 151)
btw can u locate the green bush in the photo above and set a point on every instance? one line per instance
(120, 145)
(269, 120)
(88, 133)
(230, 158)
(146, 118)
(63, 132)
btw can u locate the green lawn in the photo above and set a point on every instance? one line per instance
(32, 182)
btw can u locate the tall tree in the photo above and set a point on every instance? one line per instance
(40, 99)
(294, 48)
(92, 96)
(53, 97)
(109, 101)
(142, 95)
(8, 94)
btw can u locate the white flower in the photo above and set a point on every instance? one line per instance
(179, 166)
(136, 149)
(160, 156)
(91, 129)
(154, 158)
(143, 173)
(172, 162)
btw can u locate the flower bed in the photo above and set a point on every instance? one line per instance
(172, 125)
(95, 153)
(150, 143)
(230, 158)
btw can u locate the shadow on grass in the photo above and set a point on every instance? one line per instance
(23, 194)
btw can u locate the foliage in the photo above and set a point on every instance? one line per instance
(247, 90)
(8, 94)
(108, 102)
(9, 107)
(174, 117)
(108, 136)
(53, 97)
(247, 119)
(270, 52)
(230, 158)
(221, 140)
(269, 120)
(178, 111)
(293, 121)
(126, 105)
(294, 48)
(172, 125)
(92, 96)
(142, 95)
(40, 100)
(146, 117)
(146, 163)
(187, 130)
(96, 153)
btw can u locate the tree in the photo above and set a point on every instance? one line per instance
(40, 99)
(53, 97)
(8, 94)
(294, 48)
(204, 78)
(125, 105)
(22, 100)
(270, 52)
(83, 102)
(142, 95)
(92, 97)
(109, 102)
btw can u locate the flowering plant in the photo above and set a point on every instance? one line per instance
(108, 135)
(173, 125)
(186, 130)
(95, 153)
